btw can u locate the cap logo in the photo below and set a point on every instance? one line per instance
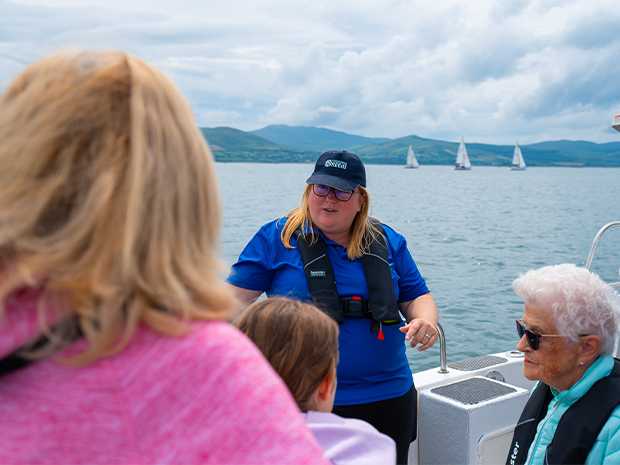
(336, 164)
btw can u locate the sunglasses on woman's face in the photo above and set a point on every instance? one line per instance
(321, 190)
(533, 339)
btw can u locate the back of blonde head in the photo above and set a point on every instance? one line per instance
(108, 198)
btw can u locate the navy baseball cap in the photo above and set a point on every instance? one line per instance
(340, 169)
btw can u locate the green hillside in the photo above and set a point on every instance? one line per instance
(234, 145)
(231, 139)
(311, 139)
(577, 152)
(437, 152)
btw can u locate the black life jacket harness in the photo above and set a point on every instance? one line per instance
(578, 428)
(381, 306)
(18, 359)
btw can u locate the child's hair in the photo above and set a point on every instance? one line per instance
(297, 339)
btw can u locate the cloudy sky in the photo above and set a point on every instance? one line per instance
(492, 71)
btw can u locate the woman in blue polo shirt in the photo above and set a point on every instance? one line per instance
(330, 251)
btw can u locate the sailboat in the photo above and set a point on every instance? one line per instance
(616, 122)
(412, 161)
(518, 163)
(462, 158)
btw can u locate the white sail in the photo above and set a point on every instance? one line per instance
(616, 122)
(462, 158)
(518, 163)
(412, 161)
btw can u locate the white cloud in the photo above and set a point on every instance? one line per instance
(491, 71)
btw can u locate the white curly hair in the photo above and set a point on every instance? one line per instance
(580, 301)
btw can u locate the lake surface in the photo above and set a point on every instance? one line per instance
(471, 233)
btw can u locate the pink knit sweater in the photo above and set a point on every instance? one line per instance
(206, 398)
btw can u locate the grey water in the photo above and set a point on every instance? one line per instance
(471, 232)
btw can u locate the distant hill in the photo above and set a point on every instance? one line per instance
(577, 152)
(438, 152)
(233, 145)
(307, 138)
(231, 139)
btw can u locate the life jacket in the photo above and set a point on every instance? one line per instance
(578, 428)
(381, 305)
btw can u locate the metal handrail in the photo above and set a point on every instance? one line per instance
(597, 239)
(443, 357)
(588, 266)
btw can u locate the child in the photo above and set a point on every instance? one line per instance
(301, 343)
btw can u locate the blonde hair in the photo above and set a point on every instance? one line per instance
(363, 229)
(297, 339)
(108, 199)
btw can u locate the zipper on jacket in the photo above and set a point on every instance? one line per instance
(555, 407)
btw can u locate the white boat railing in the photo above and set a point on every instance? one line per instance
(595, 242)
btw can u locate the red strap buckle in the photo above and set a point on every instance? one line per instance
(380, 334)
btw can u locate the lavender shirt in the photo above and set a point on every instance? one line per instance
(348, 441)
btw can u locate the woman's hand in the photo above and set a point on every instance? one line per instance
(420, 332)
(422, 315)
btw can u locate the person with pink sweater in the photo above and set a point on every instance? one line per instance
(114, 341)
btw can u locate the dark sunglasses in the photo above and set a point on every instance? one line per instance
(321, 190)
(533, 339)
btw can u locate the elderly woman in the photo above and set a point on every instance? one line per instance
(359, 272)
(567, 334)
(114, 347)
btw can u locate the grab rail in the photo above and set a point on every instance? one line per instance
(595, 243)
(597, 239)
(443, 357)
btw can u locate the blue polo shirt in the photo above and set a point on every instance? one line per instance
(369, 369)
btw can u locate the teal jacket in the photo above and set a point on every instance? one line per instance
(606, 449)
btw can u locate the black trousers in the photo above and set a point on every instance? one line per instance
(395, 417)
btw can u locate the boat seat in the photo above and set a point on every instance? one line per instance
(477, 363)
(470, 418)
(473, 391)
